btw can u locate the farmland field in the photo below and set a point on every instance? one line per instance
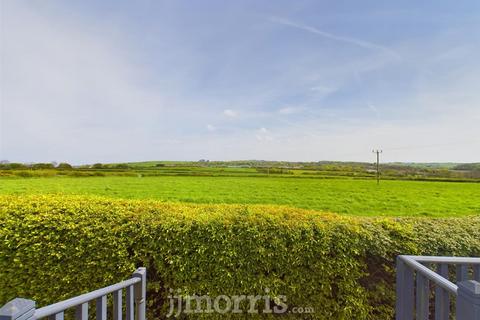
(345, 196)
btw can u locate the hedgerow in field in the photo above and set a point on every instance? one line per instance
(55, 247)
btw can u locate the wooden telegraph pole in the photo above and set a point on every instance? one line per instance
(378, 164)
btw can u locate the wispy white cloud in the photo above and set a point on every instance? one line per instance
(263, 135)
(230, 113)
(211, 128)
(353, 41)
(290, 110)
(322, 89)
(374, 109)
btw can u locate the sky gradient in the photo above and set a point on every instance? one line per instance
(117, 81)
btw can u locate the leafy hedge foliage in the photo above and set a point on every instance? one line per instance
(55, 247)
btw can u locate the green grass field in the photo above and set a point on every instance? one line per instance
(345, 196)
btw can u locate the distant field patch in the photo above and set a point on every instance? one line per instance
(345, 196)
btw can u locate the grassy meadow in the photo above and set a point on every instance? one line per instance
(361, 197)
(226, 229)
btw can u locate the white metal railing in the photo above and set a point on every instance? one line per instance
(417, 274)
(135, 295)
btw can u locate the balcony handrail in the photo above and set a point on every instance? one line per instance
(412, 261)
(414, 291)
(81, 299)
(448, 260)
(135, 303)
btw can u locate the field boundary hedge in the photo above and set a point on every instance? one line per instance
(55, 247)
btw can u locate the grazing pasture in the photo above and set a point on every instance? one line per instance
(344, 196)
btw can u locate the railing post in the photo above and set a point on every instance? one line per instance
(422, 297)
(468, 300)
(442, 298)
(140, 293)
(18, 308)
(405, 288)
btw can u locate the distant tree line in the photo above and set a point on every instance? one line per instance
(449, 171)
(5, 165)
(468, 167)
(35, 166)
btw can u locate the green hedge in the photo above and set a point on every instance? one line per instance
(55, 247)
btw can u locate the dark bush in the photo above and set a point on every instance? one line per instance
(64, 166)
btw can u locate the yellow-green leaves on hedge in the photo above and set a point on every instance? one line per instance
(55, 247)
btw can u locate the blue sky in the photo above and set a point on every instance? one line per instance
(114, 81)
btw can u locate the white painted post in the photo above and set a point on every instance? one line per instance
(442, 298)
(140, 293)
(468, 300)
(405, 289)
(18, 308)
